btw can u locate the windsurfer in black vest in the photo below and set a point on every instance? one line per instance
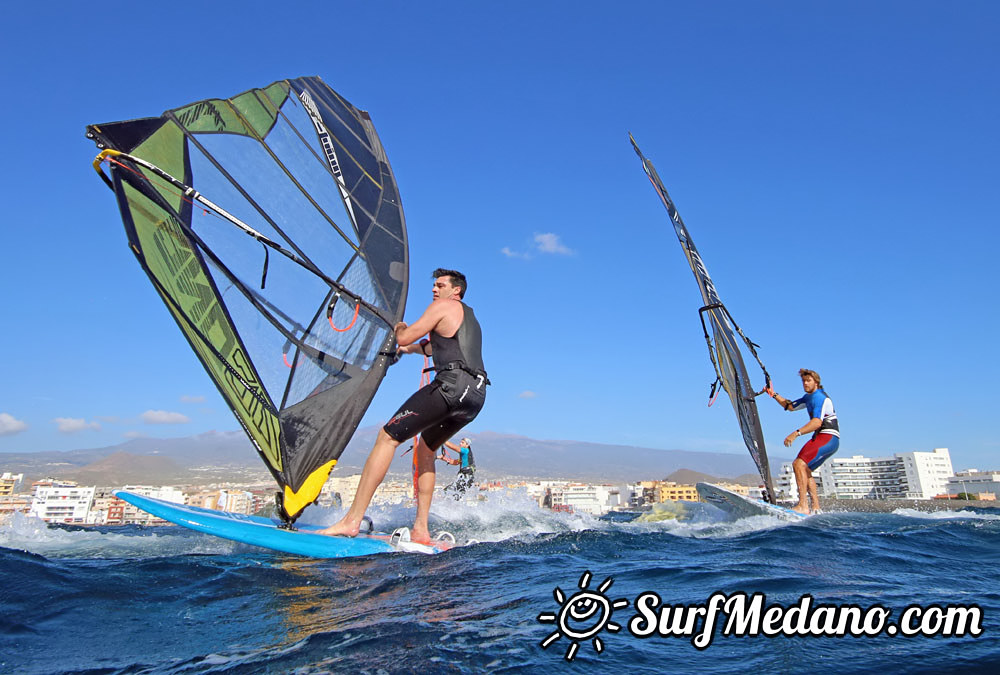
(437, 411)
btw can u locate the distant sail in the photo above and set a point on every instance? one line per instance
(271, 226)
(725, 354)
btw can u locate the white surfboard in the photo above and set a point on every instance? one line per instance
(741, 506)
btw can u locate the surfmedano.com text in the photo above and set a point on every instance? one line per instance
(742, 615)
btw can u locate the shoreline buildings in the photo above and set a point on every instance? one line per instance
(984, 485)
(905, 475)
(908, 475)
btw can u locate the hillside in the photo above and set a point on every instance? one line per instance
(219, 456)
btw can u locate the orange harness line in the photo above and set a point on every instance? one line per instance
(357, 307)
(284, 356)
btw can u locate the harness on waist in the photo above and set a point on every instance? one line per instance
(460, 365)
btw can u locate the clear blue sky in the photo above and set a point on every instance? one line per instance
(836, 163)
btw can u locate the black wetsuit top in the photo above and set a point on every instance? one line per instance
(464, 350)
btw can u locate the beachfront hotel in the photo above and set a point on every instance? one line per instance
(905, 475)
(62, 502)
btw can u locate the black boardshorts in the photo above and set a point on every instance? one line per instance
(438, 410)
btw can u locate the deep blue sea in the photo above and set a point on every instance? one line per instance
(168, 600)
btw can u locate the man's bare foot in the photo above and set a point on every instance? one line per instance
(420, 536)
(801, 508)
(344, 528)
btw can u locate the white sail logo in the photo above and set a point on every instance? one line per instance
(326, 140)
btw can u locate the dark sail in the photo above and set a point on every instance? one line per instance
(725, 352)
(271, 226)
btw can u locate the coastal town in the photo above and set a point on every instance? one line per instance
(921, 476)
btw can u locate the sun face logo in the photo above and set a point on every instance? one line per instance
(582, 616)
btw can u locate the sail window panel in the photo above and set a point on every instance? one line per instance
(368, 196)
(390, 218)
(357, 345)
(354, 341)
(390, 214)
(297, 291)
(297, 224)
(361, 347)
(347, 343)
(293, 295)
(385, 252)
(311, 377)
(355, 348)
(267, 347)
(294, 141)
(358, 277)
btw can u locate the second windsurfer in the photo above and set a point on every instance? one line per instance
(825, 440)
(436, 411)
(466, 466)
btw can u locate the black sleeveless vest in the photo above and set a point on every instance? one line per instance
(464, 350)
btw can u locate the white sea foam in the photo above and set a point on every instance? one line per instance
(946, 515)
(27, 533)
(514, 514)
(510, 514)
(483, 516)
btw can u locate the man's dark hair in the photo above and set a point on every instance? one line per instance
(457, 279)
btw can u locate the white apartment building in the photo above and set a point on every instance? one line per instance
(235, 501)
(593, 499)
(61, 502)
(927, 473)
(339, 490)
(905, 475)
(132, 515)
(9, 482)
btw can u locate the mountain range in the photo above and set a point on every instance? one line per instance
(229, 457)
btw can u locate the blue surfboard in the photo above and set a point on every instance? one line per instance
(742, 506)
(266, 533)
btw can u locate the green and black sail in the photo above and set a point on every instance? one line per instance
(271, 225)
(725, 353)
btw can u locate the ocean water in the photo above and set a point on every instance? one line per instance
(168, 600)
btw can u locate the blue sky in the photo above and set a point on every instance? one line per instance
(835, 162)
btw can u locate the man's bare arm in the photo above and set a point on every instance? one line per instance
(408, 334)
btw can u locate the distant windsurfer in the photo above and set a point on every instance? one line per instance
(465, 462)
(825, 440)
(436, 411)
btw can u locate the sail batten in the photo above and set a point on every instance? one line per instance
(270, 329)
(723, 346)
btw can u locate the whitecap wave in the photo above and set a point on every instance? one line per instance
(28, 533)
(946, 515)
